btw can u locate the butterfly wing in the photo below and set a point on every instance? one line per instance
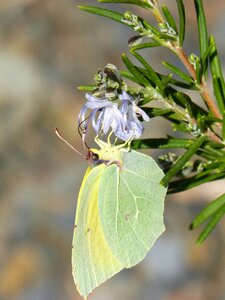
(131, 204)
(92, 259)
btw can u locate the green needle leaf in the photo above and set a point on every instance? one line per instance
(205, 58)
(223, 127)
(183, 160)
(218, 93)
(128, 75)
(145, 45)
(189, 183)
(181, 10)
(211, 225)
(208, 211)
(151, 73)
(199, 70)
(104, 12)
(161, 143)
(88, 88)
(202, 28)
(135, 2)
(169, 18)
(142, 80)
(218, 79)
(177, 71)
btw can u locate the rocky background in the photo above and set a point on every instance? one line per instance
(47, 49)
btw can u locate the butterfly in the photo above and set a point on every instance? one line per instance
(119, 214)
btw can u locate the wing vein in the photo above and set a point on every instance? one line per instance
(138, 211)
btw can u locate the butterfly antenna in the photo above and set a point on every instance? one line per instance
(67, 143)
(82, 130)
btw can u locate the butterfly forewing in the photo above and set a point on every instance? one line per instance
(92, 259)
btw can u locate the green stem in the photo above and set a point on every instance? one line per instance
(204, 92)
(159, 17)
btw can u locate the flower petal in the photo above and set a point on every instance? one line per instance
(94, 102)
(81, 116)
(100, 120)
(141, 112)
(93, 119)
(108, 118)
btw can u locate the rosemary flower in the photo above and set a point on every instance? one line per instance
(121, 115)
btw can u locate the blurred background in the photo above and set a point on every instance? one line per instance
(47, 49)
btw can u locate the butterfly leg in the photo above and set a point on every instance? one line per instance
(108, 138)
(103, 144)
(100, 143)
(126, 146)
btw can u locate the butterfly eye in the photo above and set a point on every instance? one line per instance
(95, 157)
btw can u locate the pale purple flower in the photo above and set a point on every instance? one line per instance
(121, 115)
